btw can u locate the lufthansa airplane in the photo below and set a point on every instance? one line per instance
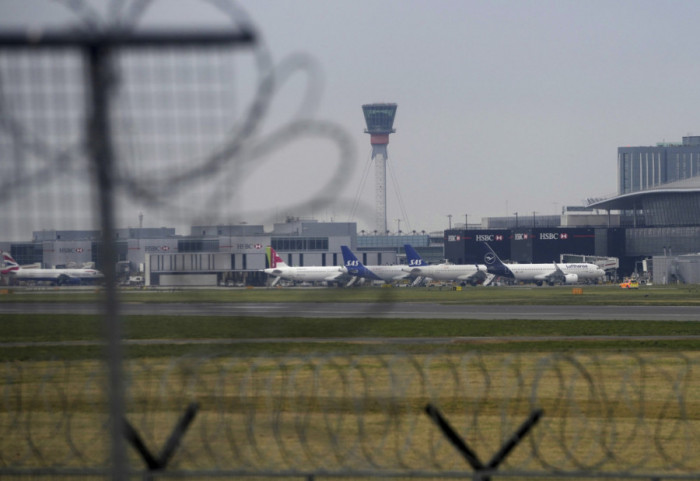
(471, 273)
(280, 270)
(542, 273)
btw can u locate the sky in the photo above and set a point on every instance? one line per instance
(503, 106)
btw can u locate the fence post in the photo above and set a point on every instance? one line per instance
(481, 470)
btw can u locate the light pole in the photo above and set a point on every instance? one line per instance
(516, 220)
(466, 221)
(534, 222)
(449, 217)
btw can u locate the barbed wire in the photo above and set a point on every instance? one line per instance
(181, 148)
(628, 414)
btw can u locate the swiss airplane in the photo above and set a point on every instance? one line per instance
(542, 273)
(386, 273)
(471, 273)
(57, 276)
(280, 270)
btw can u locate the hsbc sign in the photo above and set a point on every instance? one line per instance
(157, 248)
(454, 238)
(488, 237)
(553, 236)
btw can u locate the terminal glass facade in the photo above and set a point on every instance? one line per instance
(295, 244)
(641, 168)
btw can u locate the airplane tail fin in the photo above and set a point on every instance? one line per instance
(9, 264)
(274, 260)
(413, 258)
(493, 263)
(354, 266)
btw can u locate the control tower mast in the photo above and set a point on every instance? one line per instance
(380, 122)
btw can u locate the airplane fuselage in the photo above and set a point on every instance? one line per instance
(547, 272)
(450, 272)
(62, 276)
(308, 274)
(389, 273)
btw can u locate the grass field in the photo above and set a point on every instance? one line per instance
(636, 399)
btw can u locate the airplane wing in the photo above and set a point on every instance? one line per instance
(400, 276)
(553, 275)
(412, 271)
(335, 276)
(469, 277)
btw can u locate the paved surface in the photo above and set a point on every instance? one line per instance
(383, 310)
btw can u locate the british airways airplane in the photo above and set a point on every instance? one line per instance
(471, 273)
(541, 273)
(57, 276)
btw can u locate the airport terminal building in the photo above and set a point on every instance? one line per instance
(654, 221)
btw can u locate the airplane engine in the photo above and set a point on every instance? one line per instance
(571, 278)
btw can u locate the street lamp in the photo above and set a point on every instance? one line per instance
(516, 220)
(449, 217)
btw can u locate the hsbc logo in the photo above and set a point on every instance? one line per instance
(521, 237)
(157, 249)
(488, 237)
(553, 236)
(70, 250)
(454, 238)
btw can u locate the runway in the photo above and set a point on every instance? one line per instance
(374, 310)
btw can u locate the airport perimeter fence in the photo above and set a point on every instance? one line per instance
(612, 415)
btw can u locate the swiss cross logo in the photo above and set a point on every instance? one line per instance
(564, 235)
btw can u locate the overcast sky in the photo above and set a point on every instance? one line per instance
(503, 106)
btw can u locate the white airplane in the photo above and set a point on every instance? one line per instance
(15, 272)
(542, 273)
(280, 270)
(385, 273)
(471, 273)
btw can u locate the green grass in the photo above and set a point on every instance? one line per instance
(523, 295)
(329, 335)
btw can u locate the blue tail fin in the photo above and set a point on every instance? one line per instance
(355, 267)
(413, 258)
(494, 265)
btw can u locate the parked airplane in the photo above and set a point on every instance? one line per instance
(471, 273)
(385, 273)
(542, 273)
(280, 270)
(15, 272)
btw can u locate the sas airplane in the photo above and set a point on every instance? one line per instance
(542, 273)
(280, 270)
(471, 273)
(387, 273)
(60, 277)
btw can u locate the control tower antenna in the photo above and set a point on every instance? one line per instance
(380, 123)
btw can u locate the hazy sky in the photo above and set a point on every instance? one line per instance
(503, 106)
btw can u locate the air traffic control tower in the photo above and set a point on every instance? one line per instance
(380, 122)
